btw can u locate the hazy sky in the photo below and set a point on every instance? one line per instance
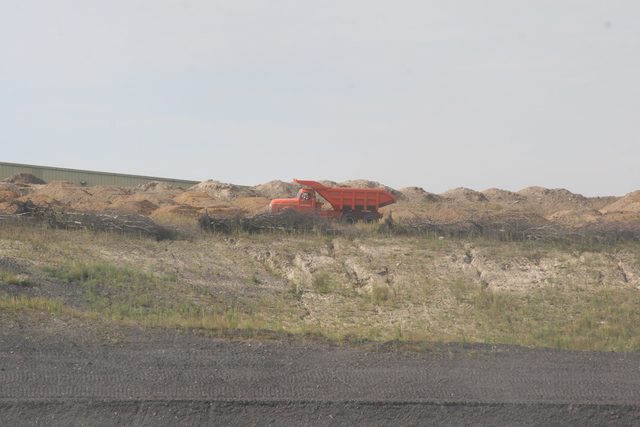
(434, 94)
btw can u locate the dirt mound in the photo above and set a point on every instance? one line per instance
(94, 207)
(158, 193)
(158, 199)
(40, 200)
(6, 208)
(24, 178)
(223, 191)
(328, 183)
(464, 195)
(253, 205)
(109, 193)
(142, 207)
(575, 218)
(195, 198)
(621, 221)
(202, 201)
(157, 187)
(66, 192)
(556, 196)
(6, 194)
(11, 207)
(628, 203)
(495, 195)
(417, 194)
(363, 183)
(277, 189)
(600, 202)
(521, 219)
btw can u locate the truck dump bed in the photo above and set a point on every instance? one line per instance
(352, 199)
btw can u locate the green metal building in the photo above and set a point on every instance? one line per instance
(86, 178)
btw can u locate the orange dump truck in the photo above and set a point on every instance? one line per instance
(349, 205)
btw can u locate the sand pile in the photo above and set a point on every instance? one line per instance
(158, 193)
(202, 201)
(158, 199)
(253, 205)
(6, 197)
(495, 195)
(464, 195)
(599, 202)
(40, 200)
(556, 196)
(628, 203)
(417, 194)
(37, 199)
(23, 183)
(620, 222)
(6, 194)
(277, 189)
(516, 219)
(575, 218)
(195, 198)
(24, 179)
(363, 183)
(141, 207)
(157, 187)
(223, 191)
(66, 192)
(109, 193)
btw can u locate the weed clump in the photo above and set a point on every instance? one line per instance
(10, 278)
(322, 283)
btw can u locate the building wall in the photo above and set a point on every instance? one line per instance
(85, 178)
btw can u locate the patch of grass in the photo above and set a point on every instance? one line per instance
(462, 288)
(295, 291)
(379, 294)
(8, 277)
(24, 302)
(322, 283)
(253, 279)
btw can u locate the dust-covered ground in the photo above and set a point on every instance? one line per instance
(160, 378)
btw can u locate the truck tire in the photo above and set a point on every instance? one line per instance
(349, 219)
(370, 219)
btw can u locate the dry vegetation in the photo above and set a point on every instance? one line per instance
(535, 268)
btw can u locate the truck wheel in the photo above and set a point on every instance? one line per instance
(349, 219)
(370, 219)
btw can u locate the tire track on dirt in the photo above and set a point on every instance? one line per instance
(172, 374)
